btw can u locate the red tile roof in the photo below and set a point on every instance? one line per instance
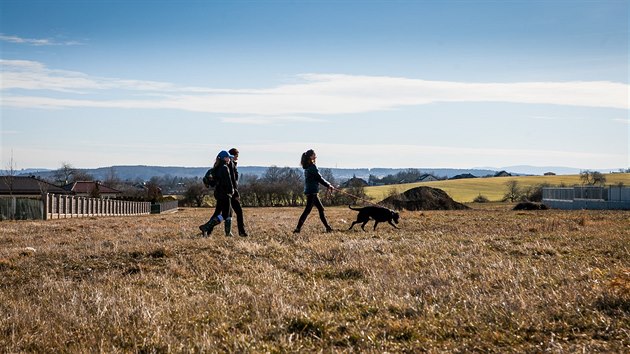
(22, 185)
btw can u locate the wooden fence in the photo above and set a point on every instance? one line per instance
(56, 206)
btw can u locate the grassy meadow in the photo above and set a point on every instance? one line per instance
(484, 280)
(493, 188)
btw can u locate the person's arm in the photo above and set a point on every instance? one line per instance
(235, 170)
(321, 179)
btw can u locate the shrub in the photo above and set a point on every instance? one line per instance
(481, 199)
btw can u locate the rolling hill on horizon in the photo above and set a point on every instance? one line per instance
(143, 172)
(146, 172)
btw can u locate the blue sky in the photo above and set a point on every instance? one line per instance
(423, 84)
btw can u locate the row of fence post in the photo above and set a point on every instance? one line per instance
(58, 206)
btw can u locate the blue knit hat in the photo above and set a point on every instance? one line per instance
(223, 154)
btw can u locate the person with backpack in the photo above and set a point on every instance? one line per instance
(236, 197)
(223, 192)
(312, 180)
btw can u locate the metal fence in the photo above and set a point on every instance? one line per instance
(164, 207)
(14, 208)
(587, 197)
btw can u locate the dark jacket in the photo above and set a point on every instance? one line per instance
(234, 176)
(312, 180)
(233, 173)
(224, 188)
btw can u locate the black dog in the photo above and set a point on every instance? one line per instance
(378, 214)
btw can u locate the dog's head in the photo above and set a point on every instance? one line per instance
(395, 216)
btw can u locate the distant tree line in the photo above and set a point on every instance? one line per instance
(284, 186)
(278, 186)
(136, 189)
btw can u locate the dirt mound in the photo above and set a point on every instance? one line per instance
(530, 206)
(423, 198)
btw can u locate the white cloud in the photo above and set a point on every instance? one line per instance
(551, 118)
(35, 42)
(9, 132)
(266, 120)
(315, 94)
(30, 75)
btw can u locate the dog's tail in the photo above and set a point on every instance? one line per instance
(357, 209)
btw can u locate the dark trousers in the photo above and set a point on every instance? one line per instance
(236, 206)
(223, 207)
(313, 200)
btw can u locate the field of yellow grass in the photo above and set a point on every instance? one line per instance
(486, 280)
(493, 188)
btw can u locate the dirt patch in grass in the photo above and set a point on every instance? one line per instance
(423, 198)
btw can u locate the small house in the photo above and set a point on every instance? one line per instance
(93, 189)
(464, 176)
(426, 178)
(354, 182)
(27, 187)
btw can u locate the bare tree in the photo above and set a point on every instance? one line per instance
(68, 174)
(599, 178)
(154, 191)
(585, 177)
(81, 175)
(9, 179)
(9, 176)
(195, 193)
(534, 193)
(592, 178)
(112, 179)
(63, 174)
(513, 191)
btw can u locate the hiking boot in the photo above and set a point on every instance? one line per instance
(228, 227)
(204, 230)
(242, 233)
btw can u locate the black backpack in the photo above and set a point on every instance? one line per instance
(208, 179)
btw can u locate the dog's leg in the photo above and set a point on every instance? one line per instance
(375, 223)
(363, 225)
(353, 223)
(391, 223)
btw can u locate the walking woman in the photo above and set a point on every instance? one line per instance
(312, 180)
(223, 192)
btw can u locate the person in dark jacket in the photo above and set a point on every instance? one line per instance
(236, 198)
(312, 180)
(223, 192)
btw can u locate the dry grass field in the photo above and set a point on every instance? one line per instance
(482, 280)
